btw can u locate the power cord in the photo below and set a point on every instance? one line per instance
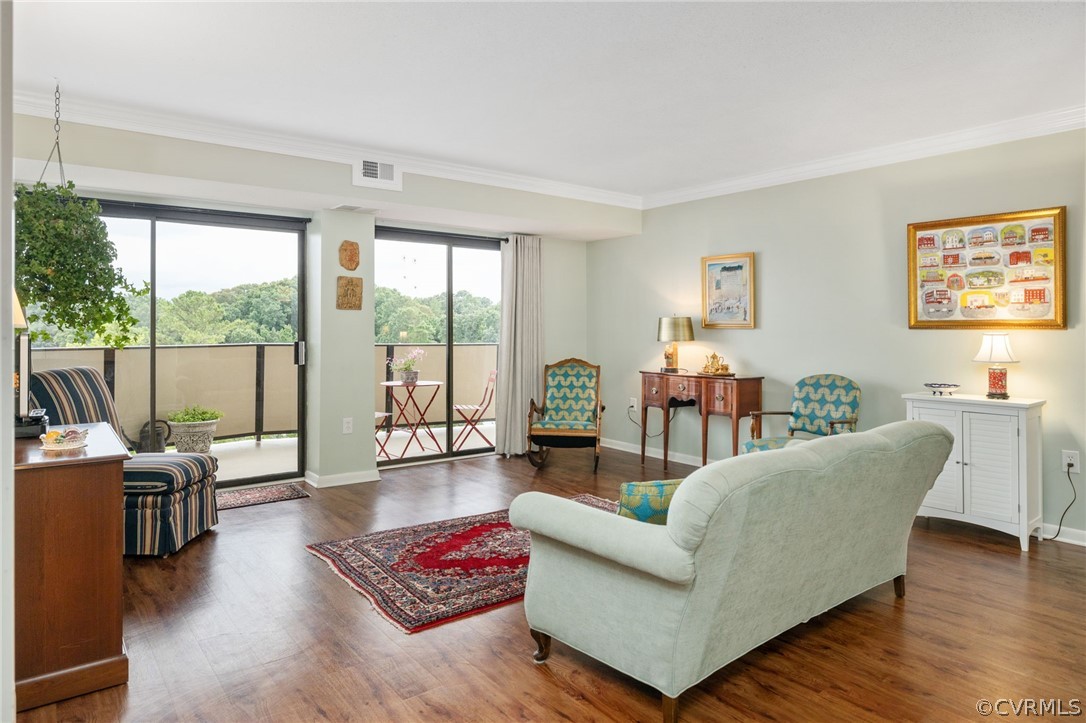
(629, 416)
(1074, 496)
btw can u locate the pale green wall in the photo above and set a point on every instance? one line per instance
(832, 294)
(168, 169)
(340, 370)
(565, 300)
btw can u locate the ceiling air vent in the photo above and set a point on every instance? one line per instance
(376, 174)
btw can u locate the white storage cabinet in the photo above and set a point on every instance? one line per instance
(993, 475)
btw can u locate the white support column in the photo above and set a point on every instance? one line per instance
(340, 365)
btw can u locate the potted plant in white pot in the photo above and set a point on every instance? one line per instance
(193, 428)
(405, 365)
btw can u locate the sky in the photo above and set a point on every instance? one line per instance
(211, 258)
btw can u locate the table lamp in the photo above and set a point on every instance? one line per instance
(995, 349)
(673, 329)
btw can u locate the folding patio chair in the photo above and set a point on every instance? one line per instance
(475, 414)
(379, 420)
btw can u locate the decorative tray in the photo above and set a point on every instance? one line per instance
(67, 439)
(942, 388)
(710, 374)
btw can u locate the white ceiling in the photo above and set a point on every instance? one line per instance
(646, 101)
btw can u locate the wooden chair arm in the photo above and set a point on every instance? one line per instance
(850, 421)
(761, 413)
(534, 408)
(756, 422)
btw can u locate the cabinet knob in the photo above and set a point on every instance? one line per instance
(957, 462)
(682, 387)
(720, 397)
(654, 390)
(965, 464)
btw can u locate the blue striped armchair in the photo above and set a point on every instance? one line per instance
(168, 498)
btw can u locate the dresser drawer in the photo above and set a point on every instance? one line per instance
(682, 388)
(653, 390)
(718, 396)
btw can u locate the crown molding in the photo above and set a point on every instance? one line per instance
(1041, 124)
(191, 129)
(108, 116)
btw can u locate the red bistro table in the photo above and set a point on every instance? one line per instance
(409, 404)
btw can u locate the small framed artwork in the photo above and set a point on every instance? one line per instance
(727, 291)
(349, 293)
(1001, 271)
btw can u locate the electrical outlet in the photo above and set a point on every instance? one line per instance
(1069, 458)
(348, 425)
(633, 403)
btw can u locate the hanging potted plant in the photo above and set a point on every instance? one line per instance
(64, 260)
(192, 429)
(405, 365)
(64, 267)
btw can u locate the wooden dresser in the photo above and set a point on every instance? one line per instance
(731, 396)
(69, 548)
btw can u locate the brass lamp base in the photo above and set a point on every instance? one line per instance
(669, 370)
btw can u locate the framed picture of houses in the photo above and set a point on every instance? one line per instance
(727, 291)
(1001, 271)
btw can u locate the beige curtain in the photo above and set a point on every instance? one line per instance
(520, 347)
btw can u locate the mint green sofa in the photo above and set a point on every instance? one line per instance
(753, 545)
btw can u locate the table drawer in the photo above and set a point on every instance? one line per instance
(718, 396)
(682, 388)
(653, 390)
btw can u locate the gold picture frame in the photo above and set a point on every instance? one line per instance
(999, 271)
(727, 291)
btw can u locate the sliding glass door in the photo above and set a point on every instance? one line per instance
(437, 299)
(216, 330)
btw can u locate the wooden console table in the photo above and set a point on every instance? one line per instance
(734, 397)
(69, 548)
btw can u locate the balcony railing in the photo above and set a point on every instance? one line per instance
(255, 385)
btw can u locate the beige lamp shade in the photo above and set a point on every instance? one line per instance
(675, 328)
(17, 317)
(995, 349)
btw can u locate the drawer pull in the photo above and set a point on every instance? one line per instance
(682, 387)
(654, 390)
(720, 397)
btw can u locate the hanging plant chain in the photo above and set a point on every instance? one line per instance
(56, 142)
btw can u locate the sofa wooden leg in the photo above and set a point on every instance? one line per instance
(670, 708)
(543, 646)
(899, 586)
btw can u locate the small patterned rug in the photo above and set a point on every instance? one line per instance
(228, 499)
(425, 575)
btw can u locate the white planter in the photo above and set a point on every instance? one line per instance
(193, 436)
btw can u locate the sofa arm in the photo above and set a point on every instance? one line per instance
(635, 544)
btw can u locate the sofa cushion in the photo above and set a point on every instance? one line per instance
(647, 501)
(155, 472)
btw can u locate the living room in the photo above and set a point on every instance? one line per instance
(832, 291)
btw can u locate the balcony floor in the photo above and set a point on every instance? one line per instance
(243, 459)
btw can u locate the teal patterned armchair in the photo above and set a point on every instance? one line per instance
(571, 414)
(822, 404)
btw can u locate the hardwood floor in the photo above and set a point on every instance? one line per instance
(244, 624)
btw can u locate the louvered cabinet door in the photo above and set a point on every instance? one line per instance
(990, 463)
(947, 493)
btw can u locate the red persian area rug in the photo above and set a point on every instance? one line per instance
(426, 575)
(227, 499)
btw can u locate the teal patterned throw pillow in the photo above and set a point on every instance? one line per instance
(647, 501)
